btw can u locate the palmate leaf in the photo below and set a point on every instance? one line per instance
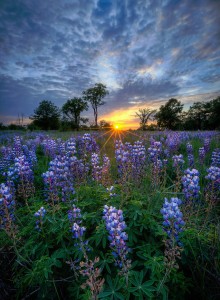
(139, 288)
(112, 291)
(105, 260)
(100, 236)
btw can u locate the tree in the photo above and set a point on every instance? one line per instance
(145, 114)
(105, 125)
(213, 113)
(95, 96)
(196, 117)
(169, 115)
(46, 116)
(72, 110)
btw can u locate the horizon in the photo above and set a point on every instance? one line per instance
(145, 53)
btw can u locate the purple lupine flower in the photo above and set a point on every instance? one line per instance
(22, 176)
(189, 148)
(7, 208)
(207, 142)
(58, 180)
(110, 190)
(155, 151)
(202, 154)
(191, 160)
(40, 214)
(131, 160)
(190, 183)
(96, 167)
(173, 218)
(78, 169)
(17, 147)
(178, 160)
(216, 158)
(86, 145)
(75, 218)
(138, 159)
(71, 147)
(116, 226)
(50, 147)
(214, 178)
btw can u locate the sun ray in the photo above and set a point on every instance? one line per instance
(106, 141)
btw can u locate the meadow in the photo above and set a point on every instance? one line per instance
(110, 215)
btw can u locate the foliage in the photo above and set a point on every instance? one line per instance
(63, 248)
(105, 125)
(72, 109)
(169, 114)
(145, 114)
(95, 96)
(46, 116)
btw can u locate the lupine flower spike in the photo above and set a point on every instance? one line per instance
(116, 226)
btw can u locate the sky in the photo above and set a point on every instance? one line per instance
(145, 52)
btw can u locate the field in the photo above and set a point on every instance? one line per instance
(110, 215)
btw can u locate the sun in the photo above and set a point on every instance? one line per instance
(116, 127)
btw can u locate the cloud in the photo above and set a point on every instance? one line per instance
(141, 50)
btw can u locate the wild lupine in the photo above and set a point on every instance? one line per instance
(86, 146)
(106, 170)
(213, 189)
(190, 183)
(155, 151)
(78, 169)
(216, 158)
(123, 160)
(172, 216)
(116, 226)
(110, 190)
(23, 177)
(6, 159)
(40, 214)
(50, 147)
(191, 160)
(207, 142)
(189, 148)
(178, 161)
(173, 225)
(17, 147)
(131, 160)
(138, 158)
(7, 209)
(96, 167)
(30, 156)
(75, 218)
(58, 180)
(202, 154)
(174, 139)
(100, 172)
(156, 157)
(87, 267)
(71, 147)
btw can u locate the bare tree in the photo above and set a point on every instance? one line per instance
(145, 114)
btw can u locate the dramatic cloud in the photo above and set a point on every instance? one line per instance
(144, 51)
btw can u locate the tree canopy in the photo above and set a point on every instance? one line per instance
(72, 110)
(46, 116)
(169, 114)
(145, 114)
(95, 96)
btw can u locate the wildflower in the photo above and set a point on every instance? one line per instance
(116, 226)
(190, 183)
(40, 214)
(7, 208)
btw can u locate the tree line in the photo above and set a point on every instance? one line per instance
(48, 116)
(200, 115)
